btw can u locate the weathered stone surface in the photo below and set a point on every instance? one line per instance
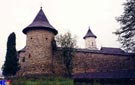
(82, 62)
(38, 54)
(38, 58)
(91, 62)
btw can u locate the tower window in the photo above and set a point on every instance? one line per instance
(23, 60)
(29, 56)
(31, 38)
(43, 69)
(46, 38)
(92, 43)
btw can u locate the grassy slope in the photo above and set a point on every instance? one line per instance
(42, 81)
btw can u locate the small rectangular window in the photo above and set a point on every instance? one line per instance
(92, 43)
(23, 60)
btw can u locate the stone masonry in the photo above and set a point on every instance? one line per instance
(82, 62)
(37, 57)
(93, 62)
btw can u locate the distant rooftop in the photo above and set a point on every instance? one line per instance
(107, 50)
(111, 50)
(103, 50)
(89, 34)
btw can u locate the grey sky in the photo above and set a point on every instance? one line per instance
(65, 15)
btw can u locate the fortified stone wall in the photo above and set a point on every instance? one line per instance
(92, 62)
(82, 62)
(37, 58)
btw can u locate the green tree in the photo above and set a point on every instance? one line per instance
(67, 44)
(126, 33)
(11, 65)
(54, 49)
(54, 46)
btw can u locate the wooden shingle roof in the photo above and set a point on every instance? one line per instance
(40, 22)
(89, 34)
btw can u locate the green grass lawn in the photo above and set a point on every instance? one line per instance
(42, 81)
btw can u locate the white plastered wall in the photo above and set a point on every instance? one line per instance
(90, 43)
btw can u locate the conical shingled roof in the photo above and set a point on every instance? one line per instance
(89, 34)
(40, 22)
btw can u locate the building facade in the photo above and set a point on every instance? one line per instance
(37, 56)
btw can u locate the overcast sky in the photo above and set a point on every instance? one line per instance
(65, 15)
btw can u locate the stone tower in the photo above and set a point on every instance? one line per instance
(90, 40)
(38, 55)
